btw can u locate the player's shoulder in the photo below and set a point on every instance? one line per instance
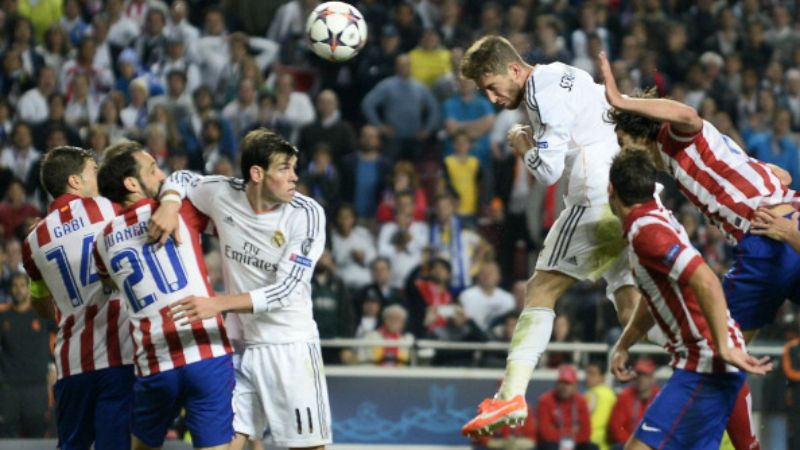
(551, 84)
(301, 203)
(221, 181)
(306, 210)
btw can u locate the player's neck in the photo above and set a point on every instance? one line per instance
(259, 200)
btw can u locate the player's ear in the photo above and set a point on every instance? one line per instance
(256, 174)
(75, 182)
(131, 184)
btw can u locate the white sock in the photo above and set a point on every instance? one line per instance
(656, 336)
(531, 337)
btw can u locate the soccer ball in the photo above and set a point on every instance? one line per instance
(336, 31)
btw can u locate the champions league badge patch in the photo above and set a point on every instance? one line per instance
(301, 260)
(278, 239)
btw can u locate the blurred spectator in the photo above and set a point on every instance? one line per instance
(778, 146)
(486, 301)
(450, 240)
(601, 399)
(177, 100)
(589, 27)
(293, 106)
(333, 311)
(471, 113)
(22, 42)
(20, 154)
(56, 109)
(121, 30)
(364, 172)
(71, 22)
(241, 64)
(381, 288)
(550, 46)
(191, 129)
(502, 330)
(791, 99)
(452, 28)
(564, 415)
(14, 81)
(428, 296)
(134, 116)
(404, 178)
(100, 78)
(632, 402)
(83, 106)
(409, 111)
(403, 240)
(25, 355)
(465, 176)
(329, 127)
(151, 43)
(429, 60)
(562, 333)
(322, 178)
(408, 25)
(55, 48)
(377, 61)
(6, 121)
(353, 248)
(676, 58)
(176, 59)
(32, 106)
(393, 329)
(180, 29)
(756, 52)
(369, 315)
(16, 212)
(447, 85)
(242, 112)
(40, 14)
(457, 328)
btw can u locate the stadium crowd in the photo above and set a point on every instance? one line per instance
(434, 221)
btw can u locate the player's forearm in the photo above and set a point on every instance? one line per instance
(711, 298)
(238, 303)
(637, 327)
(684, 117)
(545, 168)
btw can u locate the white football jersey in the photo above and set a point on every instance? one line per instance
(567, 111)
(269, 254)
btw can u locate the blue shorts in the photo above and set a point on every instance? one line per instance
(691, 412)
(765, 272)
(95, 407)
(203, 388)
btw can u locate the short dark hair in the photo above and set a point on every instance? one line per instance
(259, 148)
(633, 175)
(118, 164)
(61, 163)
(488, 55)
(633, 124)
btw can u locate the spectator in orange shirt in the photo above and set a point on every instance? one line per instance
(564, 415)
(632, 403)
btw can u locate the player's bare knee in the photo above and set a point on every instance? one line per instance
(545, 288)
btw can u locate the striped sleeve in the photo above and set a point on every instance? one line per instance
(305, 245)
(659, 248)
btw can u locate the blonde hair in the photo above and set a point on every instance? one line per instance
(488, 55)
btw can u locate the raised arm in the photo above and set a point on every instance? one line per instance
(708, 290)
(200, 190)
(682, 118)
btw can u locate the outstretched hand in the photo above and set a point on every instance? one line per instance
(744, 361)
(768, 223)
(193, 308)
(613, 95)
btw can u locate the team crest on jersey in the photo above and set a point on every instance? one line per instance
(278, 239)
(306, 246)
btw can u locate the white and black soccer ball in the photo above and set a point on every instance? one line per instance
(336, 31)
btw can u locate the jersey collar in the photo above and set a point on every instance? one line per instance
(62, 200)
(638, 212)
(141, 202)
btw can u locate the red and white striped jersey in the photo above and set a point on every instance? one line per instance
(719, 178)
(664, 261)
(92, 324)
(153, 278)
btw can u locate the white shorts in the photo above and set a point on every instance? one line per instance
(586, 242)
(281, 394)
